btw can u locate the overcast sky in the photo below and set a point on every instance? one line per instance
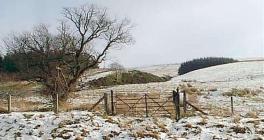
(166, 31)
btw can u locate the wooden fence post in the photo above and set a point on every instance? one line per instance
(112, 103)
(176, 100)
(184, 102)
(56, 106)
(106, 103)
(232, 105)
(146, 105)
(178, 104)
(9, 103)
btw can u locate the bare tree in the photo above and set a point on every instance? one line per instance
(116, 66)
(63, 57)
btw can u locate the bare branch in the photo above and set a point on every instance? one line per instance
(70, 48)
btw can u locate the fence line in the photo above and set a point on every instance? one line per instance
(134, 104)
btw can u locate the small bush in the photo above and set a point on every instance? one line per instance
(1, 63)
(8, 65)
(200, 63)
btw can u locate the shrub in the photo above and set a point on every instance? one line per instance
(1, 63)
(9, 65)
(200, 63)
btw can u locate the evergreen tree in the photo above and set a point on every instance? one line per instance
(1, 63)
(9, 65)
(200, 63)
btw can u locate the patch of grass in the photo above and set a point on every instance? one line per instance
(64, 106)
(188, 125)
(18, 86)
(218, 110)
(252, 114)
(242, 92)
(255, 122)
(9, 77)
(188, 114)
(203, 122)
(130, 77)
(238, 129)
(236, 119)
(144, 134)
(28, 116)
(212, 89)
(25, 105)
(2, 110)
(160, 125)
(17, 134)
(44, 109)
(219, 125)
(190, 90)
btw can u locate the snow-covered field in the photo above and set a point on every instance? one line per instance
(234, 75)
(92, 126)
(161, 70)
(95, 74)
(212, 84)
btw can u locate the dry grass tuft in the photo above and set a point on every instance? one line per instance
(242, 92)
(236, 119)
(161, 125)
(2, 110)
(188, 114)
(192, 90)
(203, 122)
(65, 106)
(143, 134)
(28, 116)
(25, 106)
(189, 85)
(255, 122)
(239, 129)
(188, 126)
(79, 138)
(8, 77)
(212, 89)
(218, 111)
(252, 114)
(189, 89)
(18, 86)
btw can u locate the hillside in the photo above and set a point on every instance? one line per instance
(241, 74)
(212, 85)
(161, 70)
(123, 78)
(148, 74)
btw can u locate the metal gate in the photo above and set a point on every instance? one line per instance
(144, 105)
